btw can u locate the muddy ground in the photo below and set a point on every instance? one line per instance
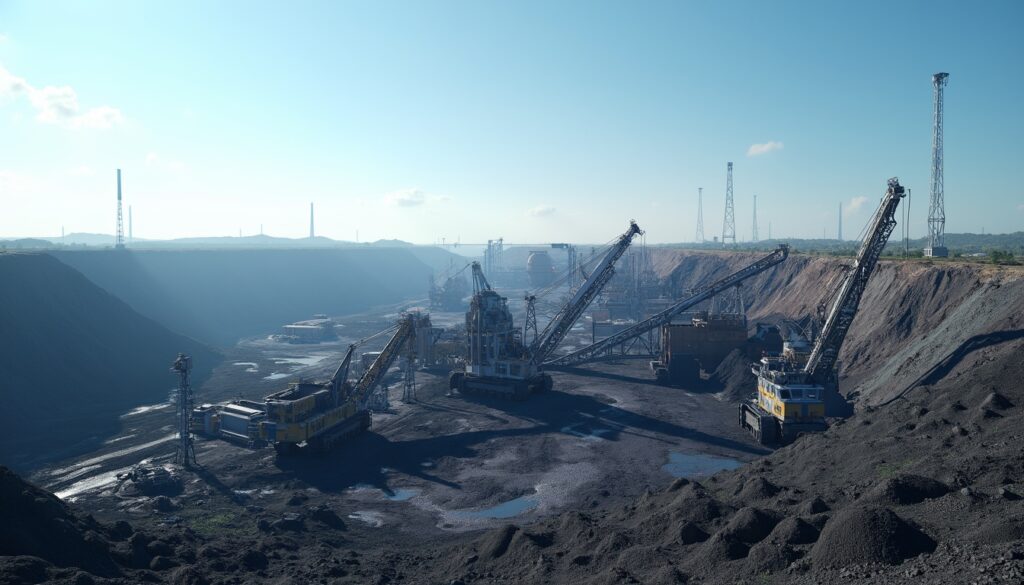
(440, 465)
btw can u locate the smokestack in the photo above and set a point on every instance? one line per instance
(119, 238)
(311, 233)
(840, 233)
(131, 238)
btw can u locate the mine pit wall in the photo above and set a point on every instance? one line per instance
(221, 296)
(913, 313)
(73, 358)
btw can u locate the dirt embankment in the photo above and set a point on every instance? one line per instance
(73, 357)
(913, 314)
(220, 296)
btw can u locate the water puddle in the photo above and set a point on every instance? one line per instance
(251, 367)
(398, 495)
(692, 465)
(503, 510)
(276, 376)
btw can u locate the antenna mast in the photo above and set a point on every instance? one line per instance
(700, 215)
(937, 207)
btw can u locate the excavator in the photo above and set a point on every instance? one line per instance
(500, 362)
(797, 390)
(319, 415)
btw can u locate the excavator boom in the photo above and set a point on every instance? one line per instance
(665, 317)
(826, 351)
(563, 321)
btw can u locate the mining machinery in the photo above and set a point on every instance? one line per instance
(797, 390)
(604, 349)
(450, 294)
(318, 415)
(499, 361)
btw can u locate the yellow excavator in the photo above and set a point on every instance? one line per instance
(797, 390)
(318, 415)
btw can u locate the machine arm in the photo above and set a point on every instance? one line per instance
(479, 280)
(665, 317)
(375, 373)
(825, 352)
(341, 374)
(557, 329)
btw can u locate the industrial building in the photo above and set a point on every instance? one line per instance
(319, 328)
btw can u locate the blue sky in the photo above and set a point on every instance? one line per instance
(546, 121)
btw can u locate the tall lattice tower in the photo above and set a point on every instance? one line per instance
(753, 232)
(729, 226)
(185, 452)
(937, 205)
(119, 238)
(700, 215)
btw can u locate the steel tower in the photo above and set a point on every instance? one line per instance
(700, 215)
(937, 205)
(185, 452)
(753, 233)
(729, 226)
(119, 238)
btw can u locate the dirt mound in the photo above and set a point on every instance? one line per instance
(734, 374)
(767, 557)
(793, 531)
(906, 489)
(757, 488)
(750, 525)
(868, 535)
(34, 522)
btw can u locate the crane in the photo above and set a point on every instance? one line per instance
(794, 397)
(595, 351)
(318, 415)
(499, 361)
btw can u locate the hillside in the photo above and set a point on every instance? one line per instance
(219, 296)
(73, 358)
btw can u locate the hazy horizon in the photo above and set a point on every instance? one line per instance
(528, 121)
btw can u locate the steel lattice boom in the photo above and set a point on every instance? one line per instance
(557, 329)
(592, 352)
(823, 357)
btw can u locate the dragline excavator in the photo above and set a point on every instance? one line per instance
(604, 347)
(318, 415)
(797, 390)
(499, 360)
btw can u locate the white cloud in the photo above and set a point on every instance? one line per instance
(759, 149)
(58, 105)
(405, 198)
(541, 211)
(854, 205)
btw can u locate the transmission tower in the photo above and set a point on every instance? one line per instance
(185, 452)
(119, 238)
(700, 215)
(729, 226)
(937, 206)
(754, 231)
